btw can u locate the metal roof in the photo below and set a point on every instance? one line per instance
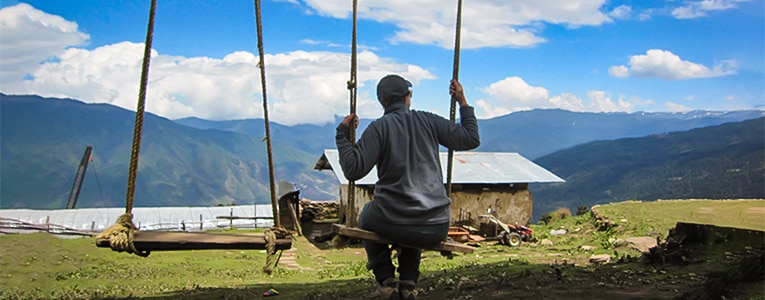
(468, 168)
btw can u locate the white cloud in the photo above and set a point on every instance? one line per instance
(675, 107)
(621, 12)
(30, 36)
(514, 94)
(302, 87)
(644, 16)
(492, 23)
(516, 90)
(619, 71)
(667, 65)
(568, 102)
(600, 101)
(697, 9)
(490, 111)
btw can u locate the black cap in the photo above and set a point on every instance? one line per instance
(392, 85)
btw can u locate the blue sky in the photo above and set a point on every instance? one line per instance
(582, 55)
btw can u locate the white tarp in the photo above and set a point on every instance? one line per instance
(149, 218)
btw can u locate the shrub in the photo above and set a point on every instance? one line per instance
(559, 214)
(562, 212)
(582, 210)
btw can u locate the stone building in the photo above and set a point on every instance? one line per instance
(482, 183)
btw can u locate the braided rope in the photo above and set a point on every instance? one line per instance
(121, 234)
(276, 231)
(262, 66)
(453, 108)
(352, 87)
(140, 111)
(271, 235)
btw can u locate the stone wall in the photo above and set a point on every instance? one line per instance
(509, 203)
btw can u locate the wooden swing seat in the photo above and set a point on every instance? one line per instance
(172, 241)
(449, 246)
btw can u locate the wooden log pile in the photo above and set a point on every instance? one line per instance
(318, 210)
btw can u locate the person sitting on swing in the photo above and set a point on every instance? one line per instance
(410, 204)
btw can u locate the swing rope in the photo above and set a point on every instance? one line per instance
(453, 108)
(121, 234)
(352, 87)
(276, 231)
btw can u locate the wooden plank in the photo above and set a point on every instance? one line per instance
(477, 238)
(371, 236)
(295, 220)
(173, 241)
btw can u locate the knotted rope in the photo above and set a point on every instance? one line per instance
(271, 235)
(276, 231)
(121, 234)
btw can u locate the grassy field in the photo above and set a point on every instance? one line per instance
(663, 214)
(42, 266)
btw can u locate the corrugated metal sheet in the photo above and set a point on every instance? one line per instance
(468, 168)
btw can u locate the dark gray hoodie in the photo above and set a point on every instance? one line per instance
(404, 144)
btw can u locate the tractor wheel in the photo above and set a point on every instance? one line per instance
(503, 239)
(513, 239)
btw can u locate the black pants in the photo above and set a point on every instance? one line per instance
(379, 255)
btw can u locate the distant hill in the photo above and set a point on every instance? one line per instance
(539, 132)
(531, 133)
(43, 141)
(718, 162)
(310, 138)
(192, 162)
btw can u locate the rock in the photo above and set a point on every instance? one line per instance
(642, 243)
(558, 232)
(587, 248)
(600, 258)
(546, 242)
(465, 284)
(618, 242)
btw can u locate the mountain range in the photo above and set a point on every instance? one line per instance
(193, 162)
(717, 162)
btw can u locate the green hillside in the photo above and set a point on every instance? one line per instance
(41, 266)
(718, 162)
(43, 141)
(194, 162)
(541, 132)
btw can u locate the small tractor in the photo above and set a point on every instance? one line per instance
(506, 234)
